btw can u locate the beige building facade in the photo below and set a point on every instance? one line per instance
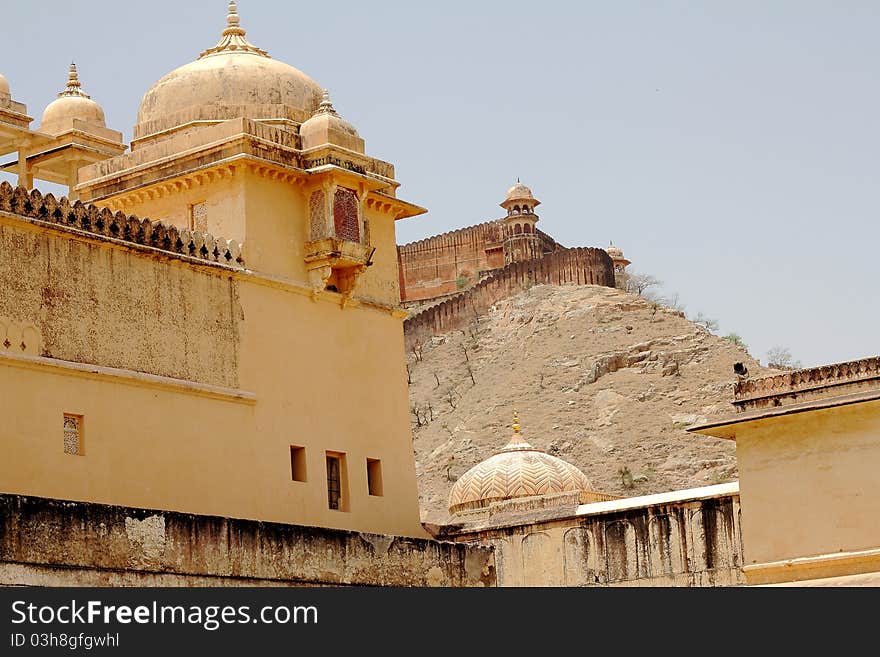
(214, 328)
(808, 446)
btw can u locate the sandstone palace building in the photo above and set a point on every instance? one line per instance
(203, 370)
(207, 321)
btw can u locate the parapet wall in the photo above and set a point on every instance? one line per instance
(807, 384)
(101, 222)
(49, 542)
(580, 266)
(114, 290)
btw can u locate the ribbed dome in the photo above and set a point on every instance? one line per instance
(72, 103)
(4, 85)
(231, 80)
(519, 192)
(518, 470)
(327, 127)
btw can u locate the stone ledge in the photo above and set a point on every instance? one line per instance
(130, 377)
(816, 567)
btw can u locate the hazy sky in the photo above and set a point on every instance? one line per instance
(731, 149)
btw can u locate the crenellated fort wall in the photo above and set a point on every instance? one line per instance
(580, 266)
(432, 267)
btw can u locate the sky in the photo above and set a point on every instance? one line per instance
(729, 148)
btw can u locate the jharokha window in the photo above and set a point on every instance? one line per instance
(345, 215)
(73, 439)
(318, 216)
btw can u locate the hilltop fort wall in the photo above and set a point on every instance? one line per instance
(581, 266)
(438, 266)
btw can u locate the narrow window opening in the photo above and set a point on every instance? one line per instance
(298, 463)
(198, 217)
(374, 477)
(73, 435)
(337, 486)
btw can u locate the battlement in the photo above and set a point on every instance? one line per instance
(806, 384)
(437, 266)
(579, 266)
(120, 226)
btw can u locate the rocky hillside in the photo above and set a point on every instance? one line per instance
(601, 378)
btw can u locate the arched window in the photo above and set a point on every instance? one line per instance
(345, 215)
(517, 230)
(527, 229)
(526, 209)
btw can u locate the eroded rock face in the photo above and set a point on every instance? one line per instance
(602, 374)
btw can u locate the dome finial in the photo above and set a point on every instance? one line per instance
(74, 86)
(232, 20)
(233, 39)
(515, 421)
(73, 77)
(326, 106)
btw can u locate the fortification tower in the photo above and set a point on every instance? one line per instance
(617, 257)
(521, 240)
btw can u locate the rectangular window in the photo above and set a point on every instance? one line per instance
(298, 463)
(198, 217)
(73, 434)
(337, 488)
(374, 477)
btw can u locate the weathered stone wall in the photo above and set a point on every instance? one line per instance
(581, 266)
(53, 542)
(686, 542)
(431, 267)
(128, 306)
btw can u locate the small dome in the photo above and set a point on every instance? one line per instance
(517, 195)
(4, 86)
(231, 80)
(519, 192)
(327, 127)
(72, 103)
(614, 252)
(518, 470)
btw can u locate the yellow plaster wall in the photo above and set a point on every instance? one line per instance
(331, 379)
(224, 198)
(324, 377)
(275, 222)
(109, 306)
(809, 483)
(381, 281)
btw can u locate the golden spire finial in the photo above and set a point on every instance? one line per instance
(515, 421)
